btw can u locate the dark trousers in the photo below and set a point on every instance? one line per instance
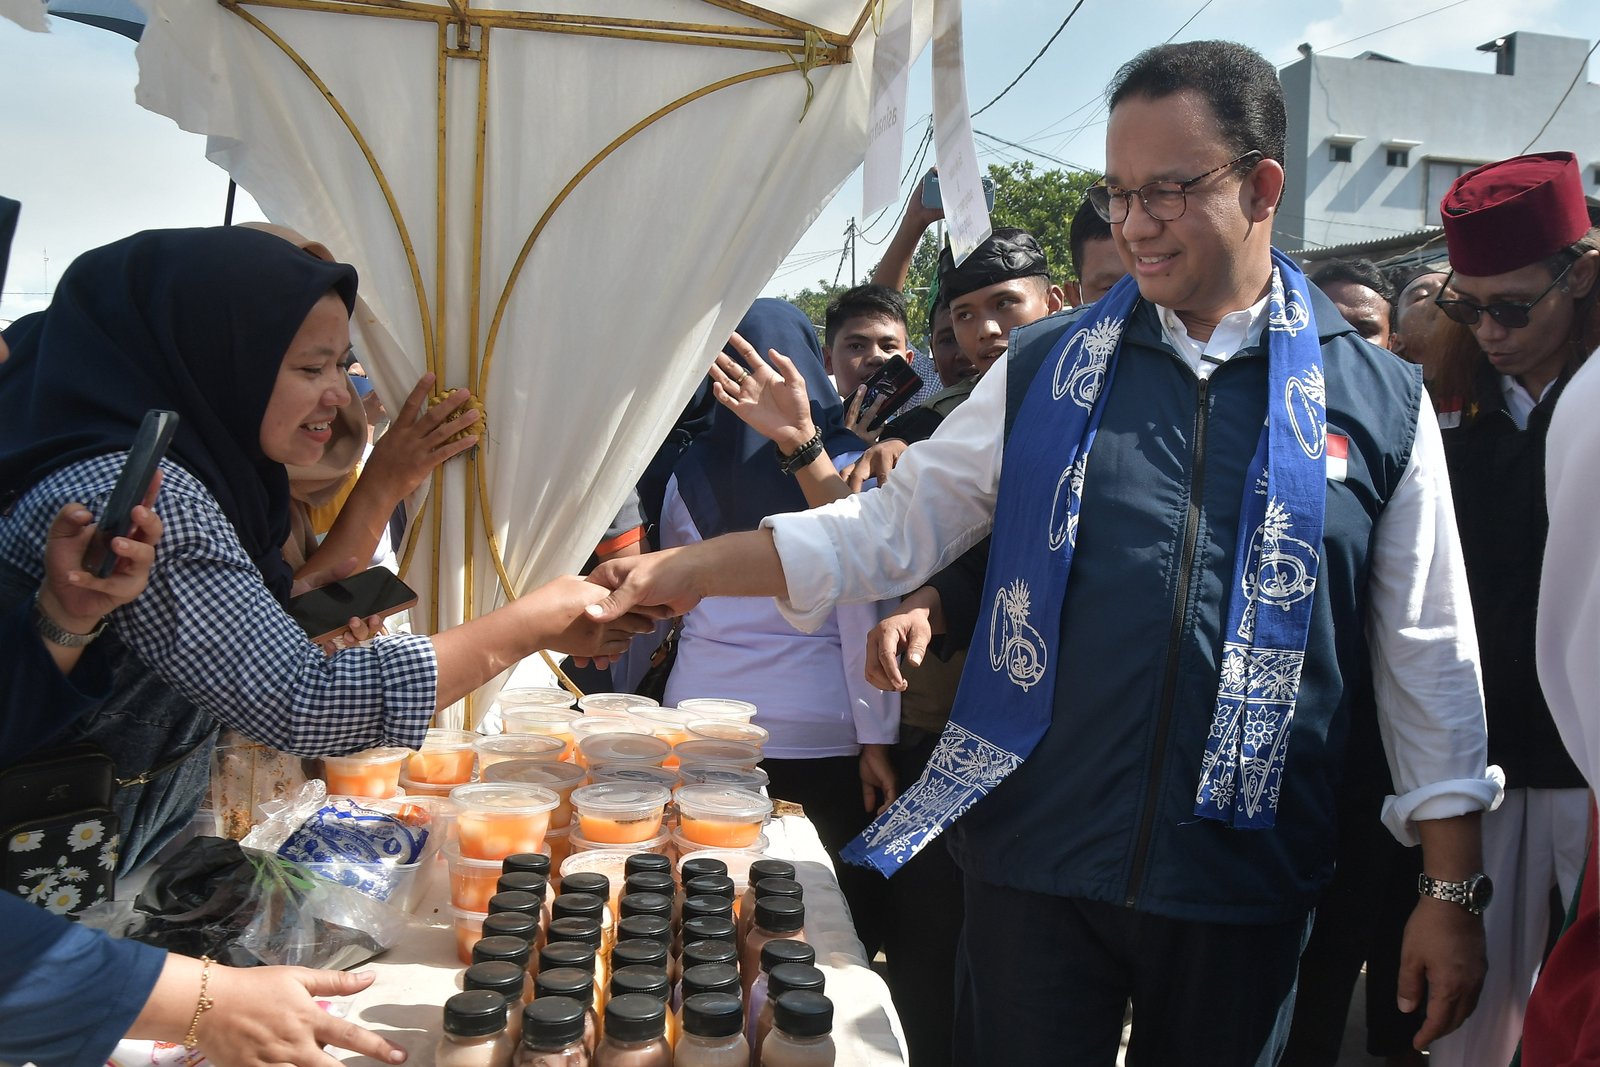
(829, 789)
(1046, 980)
(922, 926)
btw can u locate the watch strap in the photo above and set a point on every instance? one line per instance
(1453, 892)
(56, 634)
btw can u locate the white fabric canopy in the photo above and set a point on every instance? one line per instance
(651, 248)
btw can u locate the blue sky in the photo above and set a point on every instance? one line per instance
(90, 165)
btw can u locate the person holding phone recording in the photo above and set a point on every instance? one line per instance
(244, 336)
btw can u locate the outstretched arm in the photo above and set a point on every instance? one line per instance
(895, 266)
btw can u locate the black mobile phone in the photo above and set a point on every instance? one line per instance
(894, 380)
(9, 210)
(325, 611)
(138, 471)
(931, 197)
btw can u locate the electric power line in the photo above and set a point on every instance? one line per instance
(1057, 160)
(1582, 67)
(1393, 25)
(1032, 61)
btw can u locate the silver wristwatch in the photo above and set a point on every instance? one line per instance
(1473, 893)
(56, 634)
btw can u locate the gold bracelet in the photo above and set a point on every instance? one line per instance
(202, 1005)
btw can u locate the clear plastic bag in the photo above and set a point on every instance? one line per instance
(248, 908)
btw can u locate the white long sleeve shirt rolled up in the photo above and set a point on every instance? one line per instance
(940, 501)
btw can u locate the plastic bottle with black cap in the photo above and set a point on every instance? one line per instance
(586, 931)
(641, 862)
(706, 978)
(510, 981)
(652, 981)
(635, 1033)
(595, 885)
(783, 978)
(773, 953)
(776, 918)
(698, 953)
(760, 869)
(712, 1034)
(474, 1031)
(577, 984)
(577, 954)
(552, 1034)
(639, 952)
(802, 1031)
(505, 949)
(511, 924)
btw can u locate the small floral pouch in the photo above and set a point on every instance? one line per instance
(60, 833)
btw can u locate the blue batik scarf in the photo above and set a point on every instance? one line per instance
(1006, 700)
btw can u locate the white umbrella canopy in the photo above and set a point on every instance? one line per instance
(566, 210)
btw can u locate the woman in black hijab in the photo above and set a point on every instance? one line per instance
(245, 337)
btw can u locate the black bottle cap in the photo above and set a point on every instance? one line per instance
(499, 976)
(786, 950)
(711, 978)
(651, 881)
(646, 904)
(516, 900)
(531, 862)
(641, 862)
(592, 882)
(790, 976)
(653, 927)
(648, 980)
(581, 905)
(571, 982)
(705, 904)
(709, 928)
(567, 954)
(638, 952)
(713, 1014)
(770, 869)
(780, 887)
(475, 1013)
(639, 1017)
(508, 949)
(574, 928)
(714, 885)
(695, 866)
(696, 953)
(521, 882)
(511, 924)
(803, 1013)
(552, 1023)
(780, 915)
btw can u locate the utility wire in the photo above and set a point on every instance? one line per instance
(1057, 160)
(1582, 67)
(1034, 60)
(1393, 25)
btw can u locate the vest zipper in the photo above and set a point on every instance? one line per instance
(1180, 609)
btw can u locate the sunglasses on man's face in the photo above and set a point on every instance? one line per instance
(1511, 314)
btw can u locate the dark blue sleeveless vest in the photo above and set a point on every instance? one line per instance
(1103, 809)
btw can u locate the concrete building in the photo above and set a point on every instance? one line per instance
(1374, 142)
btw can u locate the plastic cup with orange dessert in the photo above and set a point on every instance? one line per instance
(534, 697)
(721, 816)
(472, 881)
(669, 724)
(712, 774)
(705, 752)
(559, 843)
(585, 726)
(629, 772)
(469, 929)
(495, 820)
(719, 708)
(746, 733)
(556, 722)
(620, 813)
(661, 843)
(633, 750)
(500, 748)
(560, 778)
(373, 772)
(445, 758)
(617, 704)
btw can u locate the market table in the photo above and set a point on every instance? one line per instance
(415, 977)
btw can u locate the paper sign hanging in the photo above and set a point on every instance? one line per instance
(966, 213)
(886, 121)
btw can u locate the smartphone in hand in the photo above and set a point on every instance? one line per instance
(932, 198)
(323, 613)
(133, 484)
(894, 383)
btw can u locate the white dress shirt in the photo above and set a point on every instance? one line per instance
(940, 501)
(810, 689)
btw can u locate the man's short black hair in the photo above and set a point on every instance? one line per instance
(1355, 272)
(1087, 225)
(1238, 82)
(868, 299)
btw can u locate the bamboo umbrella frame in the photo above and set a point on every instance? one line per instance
(464, 35)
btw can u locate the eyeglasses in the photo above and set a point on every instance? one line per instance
(1163, 201)
(1511, 314)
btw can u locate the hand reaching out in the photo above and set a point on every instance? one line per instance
(417, 441)
(771, 400)
(76, 599)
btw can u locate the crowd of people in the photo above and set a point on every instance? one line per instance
(1172, 650)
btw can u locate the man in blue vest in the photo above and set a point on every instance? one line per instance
(1221, 514)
